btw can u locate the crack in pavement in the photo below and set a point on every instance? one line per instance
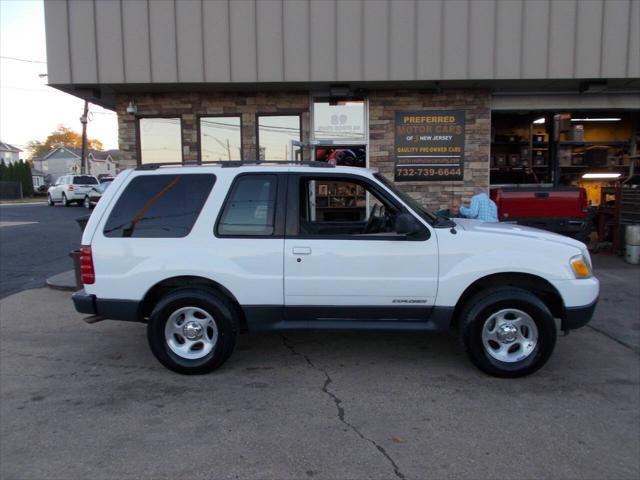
(338, 403)
(611, 337)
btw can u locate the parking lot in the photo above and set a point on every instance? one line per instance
(89, 401)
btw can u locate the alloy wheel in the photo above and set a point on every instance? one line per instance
(509, 335)
(191, 333)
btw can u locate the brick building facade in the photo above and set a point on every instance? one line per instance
(572, 61)
(382, 107)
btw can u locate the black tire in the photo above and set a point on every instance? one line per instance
(49, 200)
(481, 306)
(65, 202)
(86, 203)
(216, 306)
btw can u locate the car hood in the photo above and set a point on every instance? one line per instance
(513, 230)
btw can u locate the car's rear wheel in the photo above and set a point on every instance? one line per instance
(192, 331)
(49, 200)
(65, 202)
(87, 202)
(507, 332)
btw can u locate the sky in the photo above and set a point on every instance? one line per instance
(29, 109)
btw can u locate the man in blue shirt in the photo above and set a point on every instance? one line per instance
(482, 207)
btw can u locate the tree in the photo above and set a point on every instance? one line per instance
(3, 170)
(10, 173)
(61, 137)
(24, 177)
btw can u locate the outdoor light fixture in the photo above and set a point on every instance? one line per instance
(601, 175)
(132, 109)
(539, 121)
(609, 119)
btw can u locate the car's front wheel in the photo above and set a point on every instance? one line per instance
(192, 331)
(87, 202)
(49, 200)
(507, 332)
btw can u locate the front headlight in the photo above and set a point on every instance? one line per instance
(580, 266)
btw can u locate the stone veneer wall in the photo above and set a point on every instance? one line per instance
(189, 106)
(384, 104)
(382, 107)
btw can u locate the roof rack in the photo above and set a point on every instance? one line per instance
(234, 163)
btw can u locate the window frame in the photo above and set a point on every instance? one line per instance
(284, 113)
(218, 115)
(292, 230)
(138, 135)
(280, 206)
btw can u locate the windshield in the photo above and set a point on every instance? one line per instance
(85, 180)
(415, 206)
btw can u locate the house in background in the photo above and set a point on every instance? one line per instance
(38, 177)
(63, 160)
(101, 164)
(9, 153)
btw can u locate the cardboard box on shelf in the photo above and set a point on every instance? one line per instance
(564, 156)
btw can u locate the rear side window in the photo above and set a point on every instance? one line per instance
(250, 207)
(159, 206)
(85, 180)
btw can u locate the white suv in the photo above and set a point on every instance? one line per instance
(202, 252)
(70, 189)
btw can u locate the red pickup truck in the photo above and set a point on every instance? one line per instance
(562, 210)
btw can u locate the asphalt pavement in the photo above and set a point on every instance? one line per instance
(89, 401)
(84, 401)
(35, 241)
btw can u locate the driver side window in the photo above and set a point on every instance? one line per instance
(339, 207)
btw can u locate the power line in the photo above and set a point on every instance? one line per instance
(22, 59)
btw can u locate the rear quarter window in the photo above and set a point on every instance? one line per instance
(159, 206)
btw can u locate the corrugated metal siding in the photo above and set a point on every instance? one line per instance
(168, 41)
(109, 41)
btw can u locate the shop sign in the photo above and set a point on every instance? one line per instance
(338, 121)
(429, 145)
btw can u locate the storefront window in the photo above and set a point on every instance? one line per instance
(559, 148)
(220, 138)
(338, 119)
(160, 140)
(274, 134)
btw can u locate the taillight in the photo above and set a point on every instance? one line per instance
(70, 188)
(87, 273)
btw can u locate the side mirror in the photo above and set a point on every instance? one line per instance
(406, 224)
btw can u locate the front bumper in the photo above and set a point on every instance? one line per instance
(127, 310)
(576, 317)
(580, 297)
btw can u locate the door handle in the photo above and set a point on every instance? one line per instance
(301, 251)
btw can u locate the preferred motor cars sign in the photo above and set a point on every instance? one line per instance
(429, 145)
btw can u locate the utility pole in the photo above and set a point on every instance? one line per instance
(228, 150)
(84, 166)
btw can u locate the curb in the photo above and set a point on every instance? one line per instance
(65, 281)
(5, 204)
